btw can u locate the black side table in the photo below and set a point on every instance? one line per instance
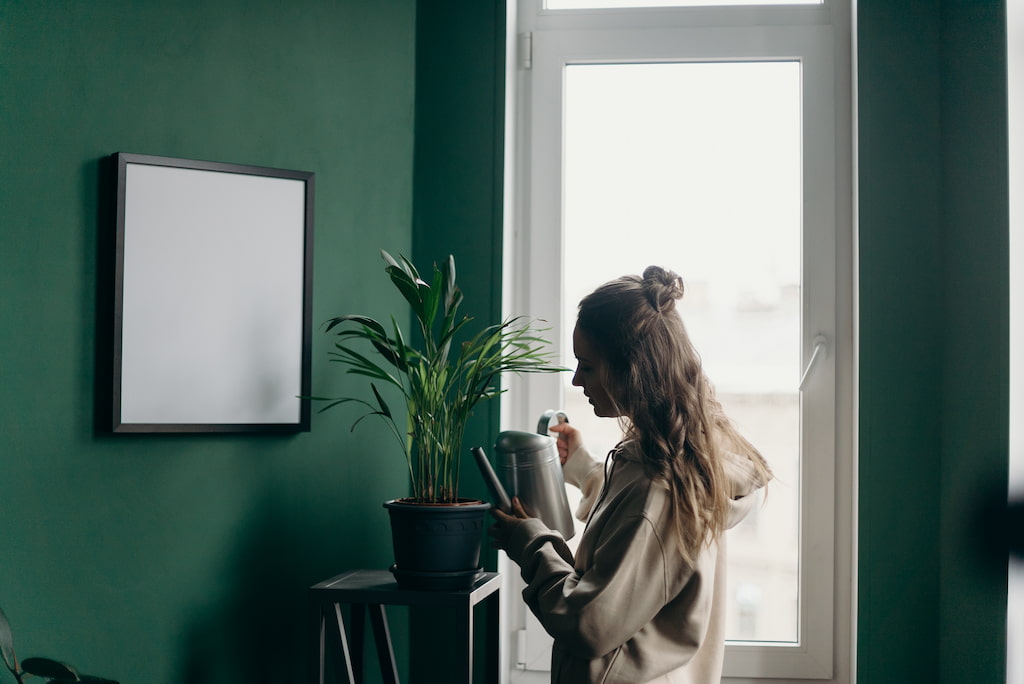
(372, 590)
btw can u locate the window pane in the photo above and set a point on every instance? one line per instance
(696, 167)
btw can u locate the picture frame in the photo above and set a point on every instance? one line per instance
(212, 296)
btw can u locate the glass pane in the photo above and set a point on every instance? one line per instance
(696, 167)
(607, 4)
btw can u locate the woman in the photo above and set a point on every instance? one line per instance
(643, 599)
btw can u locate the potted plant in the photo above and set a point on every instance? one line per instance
(440, 377)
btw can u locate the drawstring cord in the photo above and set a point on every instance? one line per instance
(608, 472)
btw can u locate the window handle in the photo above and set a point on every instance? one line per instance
(820, 352)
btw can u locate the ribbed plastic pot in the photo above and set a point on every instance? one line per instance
(437, 546)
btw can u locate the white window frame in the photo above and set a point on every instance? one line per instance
(541, 43)
(1015, 88)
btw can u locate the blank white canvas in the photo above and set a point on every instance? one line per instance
(212, 297)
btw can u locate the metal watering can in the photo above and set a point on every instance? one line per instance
(528, 467)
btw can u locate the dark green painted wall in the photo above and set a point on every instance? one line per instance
(934, 340)
(158, 559)
(457, 209)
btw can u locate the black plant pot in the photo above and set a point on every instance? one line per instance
(437, 546)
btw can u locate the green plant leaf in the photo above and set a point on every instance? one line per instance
(364, 416)
(410, 291)
(445, 342)
(390, 354)
(389, 259)
(401, 348)
(364, 366)
(409, 268)
(335, 402)
(355, 318)
(384, 409)
(53, 669)
(7, 643)
(431, 295)
(450, 288)
(345, 338)
(89, 679)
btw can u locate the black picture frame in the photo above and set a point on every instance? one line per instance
(212, 297)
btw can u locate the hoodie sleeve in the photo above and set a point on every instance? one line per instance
(587, 473)
(597, 611)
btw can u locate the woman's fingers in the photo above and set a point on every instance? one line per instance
(501, 515)
(518, 512)
(569, 439)
(504, 523)
(517, 508)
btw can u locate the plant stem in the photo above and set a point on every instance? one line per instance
(17, 676)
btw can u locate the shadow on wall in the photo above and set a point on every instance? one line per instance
(998, 528)
(257, 629)
(1015, 528)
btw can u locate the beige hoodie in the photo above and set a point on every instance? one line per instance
(627, 609)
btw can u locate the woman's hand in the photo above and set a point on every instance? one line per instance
(504, 523)
(569, 439)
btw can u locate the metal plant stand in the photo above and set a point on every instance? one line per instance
(370, 591)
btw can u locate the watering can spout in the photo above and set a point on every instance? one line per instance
(498, 493)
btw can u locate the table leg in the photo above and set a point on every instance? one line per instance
(464, 641)
(357, 640)
(346, 655)
(385, 651)
(318, 647)
(493, 606)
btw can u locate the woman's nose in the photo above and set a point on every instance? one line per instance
(576, 380)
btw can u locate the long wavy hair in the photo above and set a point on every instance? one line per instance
(665, 403)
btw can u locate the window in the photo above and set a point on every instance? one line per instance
(704, 140)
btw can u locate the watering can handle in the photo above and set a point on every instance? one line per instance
(547, 417)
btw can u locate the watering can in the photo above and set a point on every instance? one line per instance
(527, 466)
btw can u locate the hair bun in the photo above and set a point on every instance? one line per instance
(662, 288)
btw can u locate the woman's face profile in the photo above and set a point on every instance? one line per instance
(590, 375)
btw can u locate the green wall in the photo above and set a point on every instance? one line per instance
(457, 200)
(162, 558)
(934, 340)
